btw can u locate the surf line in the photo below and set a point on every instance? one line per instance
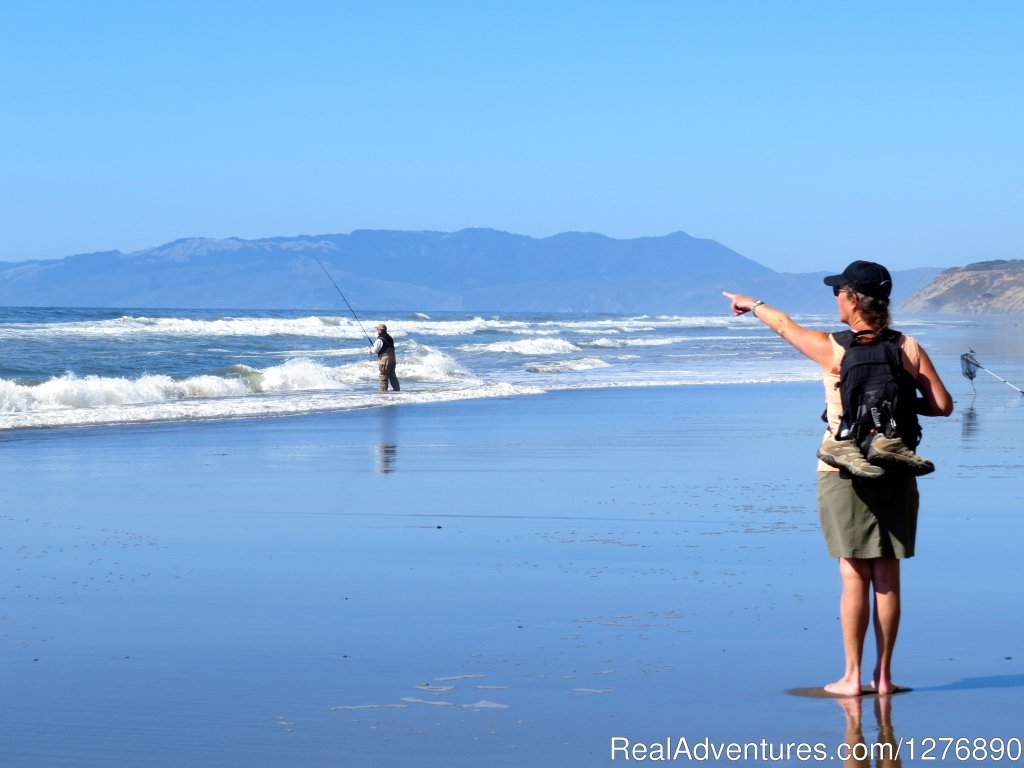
(343, 299)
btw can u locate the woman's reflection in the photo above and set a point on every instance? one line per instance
(885, 751)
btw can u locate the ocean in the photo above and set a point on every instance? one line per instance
(609, 532)
(65, 367)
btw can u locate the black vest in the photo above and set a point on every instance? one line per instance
(389, 345)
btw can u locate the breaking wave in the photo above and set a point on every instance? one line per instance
(71, 392)
(525, 347)
(66, 367)
(567, 366)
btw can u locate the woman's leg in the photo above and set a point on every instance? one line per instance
(854, 612)
(885, 575)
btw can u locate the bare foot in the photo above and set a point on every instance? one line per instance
(844, 687)
(884, 687)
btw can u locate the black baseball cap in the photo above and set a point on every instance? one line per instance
(865, 277)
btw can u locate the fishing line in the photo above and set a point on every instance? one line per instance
(343, 299)
(969, 366)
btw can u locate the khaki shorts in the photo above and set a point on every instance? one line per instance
(868, 518)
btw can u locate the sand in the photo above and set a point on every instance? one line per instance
(504, 582)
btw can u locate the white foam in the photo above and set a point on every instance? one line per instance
(537, 346)
(71, 391)
(303, 374)
(659, 341)
(422, 363)
(605, 343)
(248, 406)
(237, 390)
(567, 366)
(130, 325)
(341, 327)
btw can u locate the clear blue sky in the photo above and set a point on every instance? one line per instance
(802, 134)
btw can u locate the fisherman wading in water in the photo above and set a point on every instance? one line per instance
(384, 349)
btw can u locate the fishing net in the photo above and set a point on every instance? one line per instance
(969, 364)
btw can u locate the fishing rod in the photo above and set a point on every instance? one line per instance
(969, 366)
(343, 299)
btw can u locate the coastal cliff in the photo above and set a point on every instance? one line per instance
(985, 287)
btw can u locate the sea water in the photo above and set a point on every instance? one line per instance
(72, 367)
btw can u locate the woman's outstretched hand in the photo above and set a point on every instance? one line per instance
(813, 344)
(740, 304)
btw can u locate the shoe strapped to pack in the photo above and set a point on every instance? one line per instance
(844, 454)
(892, 452)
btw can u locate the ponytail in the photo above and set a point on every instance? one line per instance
(874, 310)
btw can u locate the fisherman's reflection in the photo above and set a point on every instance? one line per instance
(885, 750)
(386, 450)
(386, 455)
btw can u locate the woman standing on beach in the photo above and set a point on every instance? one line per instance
(869, 525)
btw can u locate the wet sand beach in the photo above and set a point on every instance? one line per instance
(502, 582)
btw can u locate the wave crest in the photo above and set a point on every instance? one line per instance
(70, 391)
(536, 346)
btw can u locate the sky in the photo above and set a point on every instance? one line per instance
(801, 134)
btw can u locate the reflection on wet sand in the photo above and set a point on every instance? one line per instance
(969, 425)
(885, 750)
(386, 450)
(386, 456)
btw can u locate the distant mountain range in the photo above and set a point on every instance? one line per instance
(470, 270)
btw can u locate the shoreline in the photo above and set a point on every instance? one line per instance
(455, 396)
(511, 581)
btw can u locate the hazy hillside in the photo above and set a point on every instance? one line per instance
(474, 269)
(986, 287)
